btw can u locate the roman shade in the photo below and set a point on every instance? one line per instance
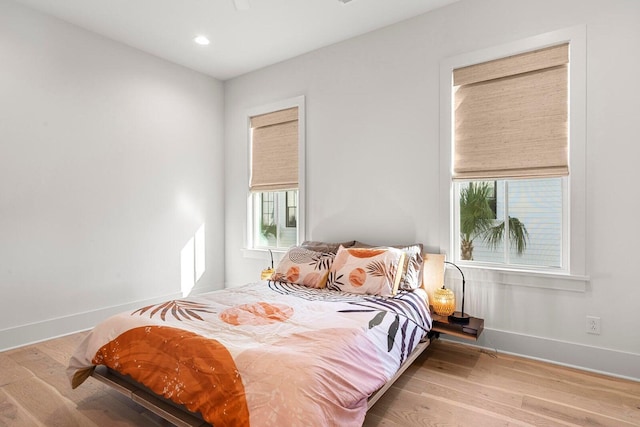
(274, 151)
(511, 116)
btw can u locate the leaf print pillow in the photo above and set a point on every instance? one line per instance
(412, 266)
(373, 271)
(304, 267)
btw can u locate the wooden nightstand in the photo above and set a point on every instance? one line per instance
(470, 331)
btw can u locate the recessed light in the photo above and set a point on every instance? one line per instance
(202, 40)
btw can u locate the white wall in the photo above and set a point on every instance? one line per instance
(110, 160)
(373, 168)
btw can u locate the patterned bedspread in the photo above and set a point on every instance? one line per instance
(263, 354)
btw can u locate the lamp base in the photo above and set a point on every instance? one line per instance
(458, 317)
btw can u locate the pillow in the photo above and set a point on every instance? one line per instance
(359, 244)
(326, 246)
(412, 264)
(304, 267)
(410, 279)
(373, 271)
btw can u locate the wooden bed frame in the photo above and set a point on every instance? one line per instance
(182, 417)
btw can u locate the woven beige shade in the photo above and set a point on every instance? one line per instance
(511, 117)
(274, 151)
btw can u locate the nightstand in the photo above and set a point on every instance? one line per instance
(469, 331)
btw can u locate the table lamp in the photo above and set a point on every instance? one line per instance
(459, 316)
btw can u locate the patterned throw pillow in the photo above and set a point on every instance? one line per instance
(304, 267)
(370, 271)
(412, 265)
(410, 279)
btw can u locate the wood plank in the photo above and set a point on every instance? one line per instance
(453, 369)
(109, 411)
(11, 371)
(507, 406)
(61, 349)
(40, 364)
(12, 414)
(573, 415)
(577, 377)
(422, 381)
(454, 353)
(606, 401)
(500, 402)
(33, 359)
(374, 420)
(45, 404)
(407, 410)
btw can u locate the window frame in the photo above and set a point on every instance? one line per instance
(299, 102)
(573, 277)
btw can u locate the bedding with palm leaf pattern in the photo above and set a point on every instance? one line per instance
(263, 354)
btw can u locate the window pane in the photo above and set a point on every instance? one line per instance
(538, 204)
(292, 209)
(483, 251)
(527, 217)
(267, 230)
(271, 229)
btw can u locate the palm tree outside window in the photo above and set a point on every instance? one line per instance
(524, 228)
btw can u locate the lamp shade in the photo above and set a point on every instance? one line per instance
(444, 301)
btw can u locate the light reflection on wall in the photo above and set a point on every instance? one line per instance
(192, 262)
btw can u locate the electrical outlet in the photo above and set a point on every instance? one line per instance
(593, 325)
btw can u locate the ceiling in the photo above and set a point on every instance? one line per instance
(269, 31)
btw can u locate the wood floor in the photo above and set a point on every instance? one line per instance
(449, 385)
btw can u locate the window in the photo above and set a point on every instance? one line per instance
(276, 175)
(511, 121)
(514, 191)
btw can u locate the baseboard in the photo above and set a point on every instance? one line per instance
(31, 333)
(594, 359)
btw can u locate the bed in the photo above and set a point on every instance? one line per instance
(317, 344)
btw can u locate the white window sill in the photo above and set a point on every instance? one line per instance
(254, 253)
(535, 279)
